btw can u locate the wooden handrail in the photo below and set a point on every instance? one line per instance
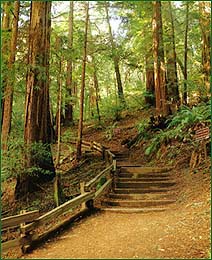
(94, 181)
(11, 243)
(18, 219)
(58, 211)
(103, 188)
(36, 221)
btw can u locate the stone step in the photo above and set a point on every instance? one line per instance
(144, 196)
(133, 210)
(141, 190)
(141, 175)
(136, 203)
(141, 179)
(139, 169)
(144, 184)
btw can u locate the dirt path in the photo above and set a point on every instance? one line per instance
(170, 234)
(183, 231)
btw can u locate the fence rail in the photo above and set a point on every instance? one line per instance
(29, 221)
(95, 180)
(16, 220)
(57, 211)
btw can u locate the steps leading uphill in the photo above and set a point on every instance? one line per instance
(139, 189)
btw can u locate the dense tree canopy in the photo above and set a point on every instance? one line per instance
(123, 55)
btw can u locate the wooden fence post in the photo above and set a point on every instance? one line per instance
(82, 191)
(114, 165)
(25, 236)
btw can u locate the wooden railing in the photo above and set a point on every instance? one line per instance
(15, 222)
(90, 191)
(91, 146)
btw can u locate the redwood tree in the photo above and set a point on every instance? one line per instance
(185, 90)
(69, 105)
(115, 61)
(37, 128)
(172, 79)
(205, 10)
(10, 33)
(159, 64)
(80, 127)
(150, 83)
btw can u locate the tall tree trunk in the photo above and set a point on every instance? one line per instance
(59, 83)
(172, 79)
(59, 118)
(205, 9)
(58, 195)
(115, 61)
(9, 52)
(185, 90)
(96, 98)
(80, 127)
(37, 126)
(159, 65)
(96, 86)
(150, 83)
(69, 83)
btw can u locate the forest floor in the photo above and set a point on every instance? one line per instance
(183, 231)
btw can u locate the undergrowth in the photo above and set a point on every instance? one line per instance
(181, 127)
(13, 160)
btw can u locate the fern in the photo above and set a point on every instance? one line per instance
(178, 126)
(190, 116)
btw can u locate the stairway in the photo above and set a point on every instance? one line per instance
(139, 189)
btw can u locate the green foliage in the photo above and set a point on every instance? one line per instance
(180, 126)
(164, 137)
(143, 129)
(142, 126)
(190, 116)
(67, 136)
(111, 110)
(101, 182)
(109, 131)
(13, 161)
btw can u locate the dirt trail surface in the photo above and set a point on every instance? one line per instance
(175, 233)
(115, 235)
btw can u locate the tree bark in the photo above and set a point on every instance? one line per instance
(172, 79)
(185, 90)
(205, 9)
(37, 126)
(80, 126)
(96, 86)
(59, 99)
(115, 61)
(150, 83)
(69, 83)
(9, 50)
(159, 65)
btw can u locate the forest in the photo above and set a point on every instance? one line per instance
(130, 75)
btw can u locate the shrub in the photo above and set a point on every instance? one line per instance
(180, 125)
(13, 161)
